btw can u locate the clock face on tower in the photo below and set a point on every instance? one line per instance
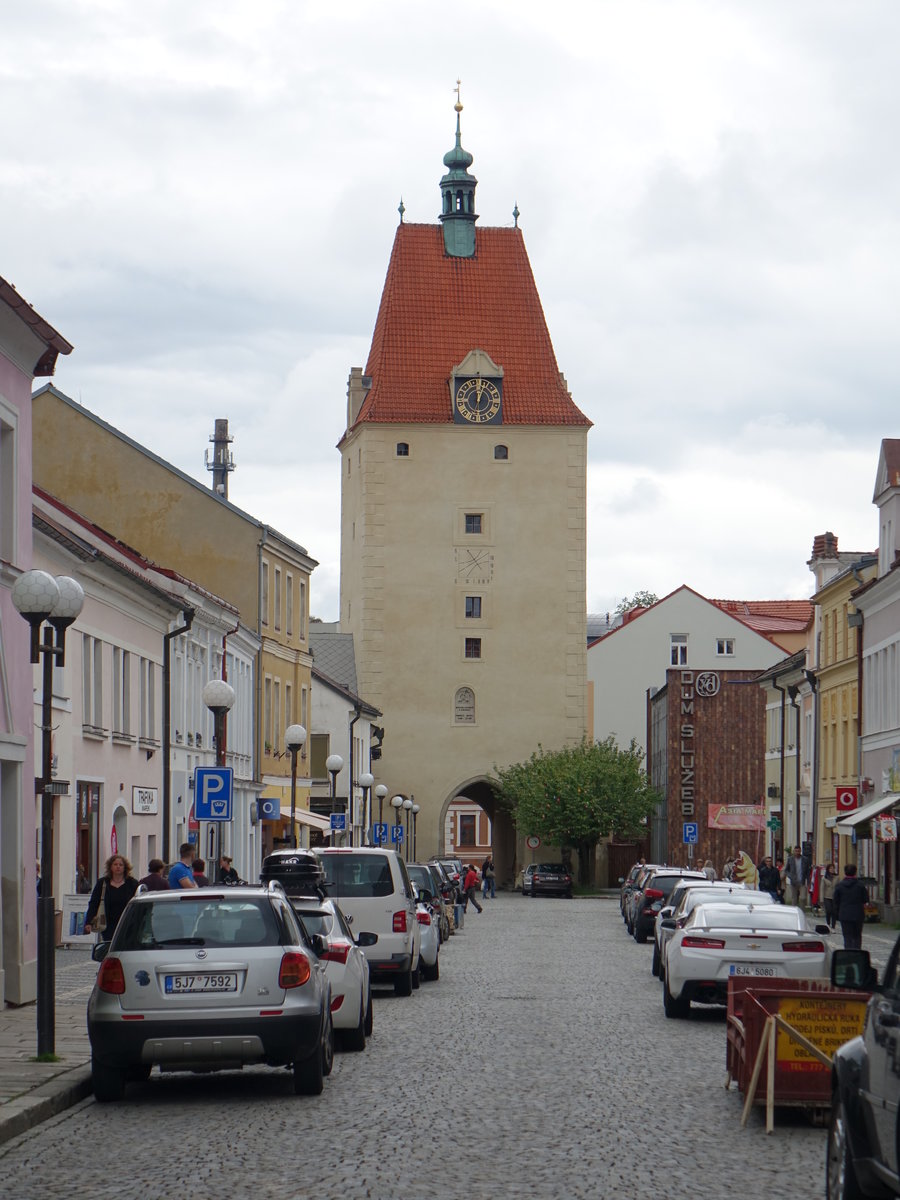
(477, 401)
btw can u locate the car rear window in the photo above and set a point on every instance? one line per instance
(199, 920)
(315, 920)
(552, 868)
(358, 874)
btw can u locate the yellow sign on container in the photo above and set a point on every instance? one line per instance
(825, 1022)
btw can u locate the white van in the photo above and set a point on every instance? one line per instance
(374, 891)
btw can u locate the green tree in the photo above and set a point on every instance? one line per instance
(638, 600)
(575, 796)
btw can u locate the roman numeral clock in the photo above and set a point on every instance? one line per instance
(476, 387)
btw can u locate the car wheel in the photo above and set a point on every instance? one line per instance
(654, 966)
(840, 1174)
(678, 1009)
(417, 976)
(309, 1077)
(328, 1047)
(108, 1082)
(355, 1039)
(640, 935)
(370, 1015)
(403, 985)
(430, 974)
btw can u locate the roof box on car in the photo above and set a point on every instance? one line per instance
(298, 871)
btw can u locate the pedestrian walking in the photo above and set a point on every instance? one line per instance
(470, 887)
(227, 873)
(796, 879)
(181, 875)
(850, 900)
(488, 883)
(709, 870)
(198, 866)
(154, 880)
(769, 878)
(826, 892)
(111, 893)
(728, 870)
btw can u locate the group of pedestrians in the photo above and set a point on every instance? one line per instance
(843, 900)
(117, 885)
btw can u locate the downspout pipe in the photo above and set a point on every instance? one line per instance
(793, 692)
(188, 616)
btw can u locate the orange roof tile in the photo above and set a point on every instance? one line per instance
(769, 615)
(435, 309)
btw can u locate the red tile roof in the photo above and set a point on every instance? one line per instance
(768, 616)
(435, 309)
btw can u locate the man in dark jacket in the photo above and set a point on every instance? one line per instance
(850, 899)
(768, 877)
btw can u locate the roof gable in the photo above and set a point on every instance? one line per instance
(435, 309)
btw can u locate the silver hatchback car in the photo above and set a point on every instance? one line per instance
(209, 979)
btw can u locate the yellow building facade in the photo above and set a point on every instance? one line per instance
(176, 521)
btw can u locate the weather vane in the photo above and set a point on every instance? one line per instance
(458, 104)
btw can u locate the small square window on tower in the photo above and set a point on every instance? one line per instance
(473, 606)
(473, 522)
(473, 647)
(403, 449)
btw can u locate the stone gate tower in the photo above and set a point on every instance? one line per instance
(463, 469)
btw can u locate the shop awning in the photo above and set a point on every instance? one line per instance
(313, 820)
(865, 813)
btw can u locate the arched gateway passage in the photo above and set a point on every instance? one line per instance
(479, 791)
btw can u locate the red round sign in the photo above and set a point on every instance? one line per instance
(846, 799)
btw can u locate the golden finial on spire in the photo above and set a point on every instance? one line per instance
(458, 105)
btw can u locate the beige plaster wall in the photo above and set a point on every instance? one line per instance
(403, 597)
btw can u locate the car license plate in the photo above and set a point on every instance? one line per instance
(549, 878)
(752, 969)
(178, 984)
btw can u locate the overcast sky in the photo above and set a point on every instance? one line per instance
(201, 196)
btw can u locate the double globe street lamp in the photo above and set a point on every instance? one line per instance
(39, 598)
(381, 791)
(407, 806)
(365, 782)
(334, 764)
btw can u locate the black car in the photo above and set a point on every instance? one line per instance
(864, 1135)
(550, 879)
(652, 896)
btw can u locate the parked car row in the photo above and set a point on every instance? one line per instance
(193, 979)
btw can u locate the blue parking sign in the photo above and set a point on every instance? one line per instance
(212, 793)
(691, 833)
(397, 834)
(380, 833)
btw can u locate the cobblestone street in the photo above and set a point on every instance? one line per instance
(540, 1064)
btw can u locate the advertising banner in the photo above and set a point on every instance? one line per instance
(737, 816)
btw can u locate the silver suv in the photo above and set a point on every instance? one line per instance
(193, 980)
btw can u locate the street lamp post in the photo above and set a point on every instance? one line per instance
(294, 740)
(415, 813)
(407, 805)
(365, 782)
(334, 764)
(396, 805)
(218, 696)
(381, 791)
(38, 597)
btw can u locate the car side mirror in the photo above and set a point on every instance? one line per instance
(666, 912)
(823, 929)
(319, 944)
(426, 897)
(668, 923)
(367, 939)
(853, 969)
(100, 951)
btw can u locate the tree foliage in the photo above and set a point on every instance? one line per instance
(575, 796)
(641, 599)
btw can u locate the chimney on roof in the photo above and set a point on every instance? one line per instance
(222, 462)
(358, 386)
(825, 545)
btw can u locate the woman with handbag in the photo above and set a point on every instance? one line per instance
(111, 893)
